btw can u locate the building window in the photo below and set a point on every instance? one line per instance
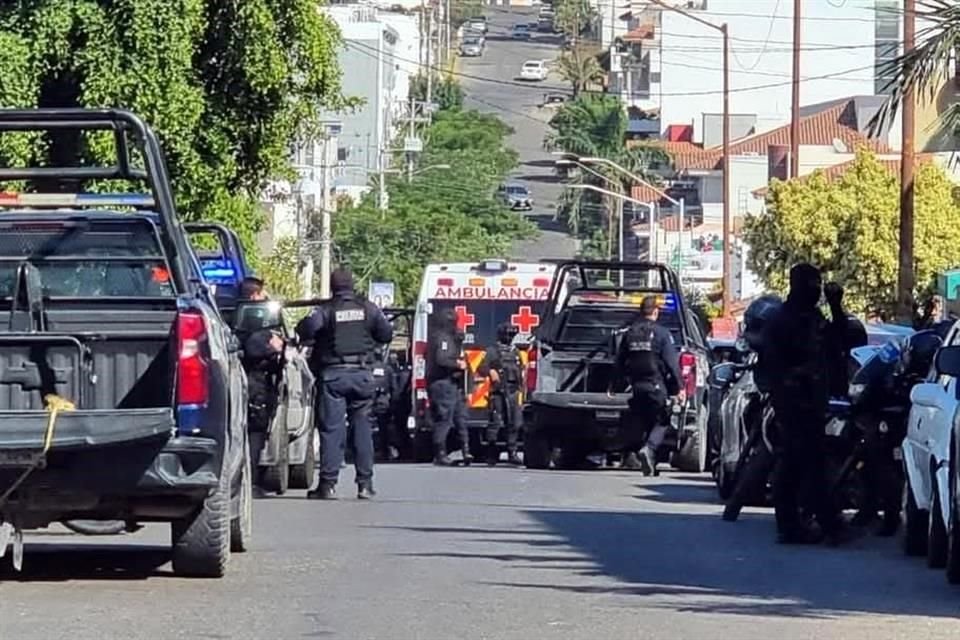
(887, 39)
(309, 154)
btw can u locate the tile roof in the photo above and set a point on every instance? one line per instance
(642, 32)
(892, 165)
(644, 193)
(836, 122)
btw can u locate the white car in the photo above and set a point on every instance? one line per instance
(533, 70)
(930, 520)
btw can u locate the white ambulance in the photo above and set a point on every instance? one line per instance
(483, 295)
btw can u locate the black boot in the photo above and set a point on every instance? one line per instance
(493, 454)
(440, 457)
(365, 490)
(324, 491)
(513, 458)
(467, 457)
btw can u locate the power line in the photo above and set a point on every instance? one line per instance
(765, 43)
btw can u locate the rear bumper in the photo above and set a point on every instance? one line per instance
(113, 464)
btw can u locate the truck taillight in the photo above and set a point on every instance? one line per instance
(193, 380)
(688, 372)
(531, 369)
(420, 402)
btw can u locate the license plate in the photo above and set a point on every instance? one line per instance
(17, 458)
(608, 415)
(834, 427)
(897, 453)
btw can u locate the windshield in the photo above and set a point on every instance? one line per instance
(479, 319)
(517, 190)
(471, 42)
(531, 65)
(81, 259)
(584, 329)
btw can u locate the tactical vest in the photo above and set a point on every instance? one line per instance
(348, 341)
(642, 361)
(511, 371)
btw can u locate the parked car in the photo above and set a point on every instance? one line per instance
(143, 417)
(516, 196)
(535, 70)
(545, 25)
(589, 307)
(477, 23)
(929, 457)
(521, 31)
(471, 47)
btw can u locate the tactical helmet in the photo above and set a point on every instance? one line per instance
(506, 332)
(756, 317)
(919, 352)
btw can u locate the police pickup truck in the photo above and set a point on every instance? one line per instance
(289, 456)
(122, 396)
(589, 306)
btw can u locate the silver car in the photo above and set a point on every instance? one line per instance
(471, 48)
(516, 196)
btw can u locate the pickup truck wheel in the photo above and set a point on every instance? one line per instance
(302, 475)
(915, 525)
(937, 535)
(201, 543)
(536, 450)
(241, 527)
(423, 447)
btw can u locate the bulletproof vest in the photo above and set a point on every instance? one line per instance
(642, 359)
(348, 341)
(511, 372)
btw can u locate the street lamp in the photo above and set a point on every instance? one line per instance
(681, 203)
(725, 32)
(622, 198)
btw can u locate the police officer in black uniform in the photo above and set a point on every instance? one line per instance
(502, 363)
(650, 362)
(384, 379)
(800, 355)
(445, 371)
(345, 332)
(262, 351)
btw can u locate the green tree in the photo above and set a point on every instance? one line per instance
(280, 269)
(446, 93)
(574, 17)
(439, 216)
(580, 68)
(227, 85)
(849, 228)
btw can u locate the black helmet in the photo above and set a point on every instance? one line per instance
(919, 352)
(856, 334)
(756, 317)
(506, 332)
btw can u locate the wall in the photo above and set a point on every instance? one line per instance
(692, 79)
(406, 53)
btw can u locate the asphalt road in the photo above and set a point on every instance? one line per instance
(486, 553)
(491, 84)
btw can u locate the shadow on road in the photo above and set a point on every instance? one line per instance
(678, 492)
(547, 222)
(64, 562)
(545, 164)
(540, 177)
(698, 563)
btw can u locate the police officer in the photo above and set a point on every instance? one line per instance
(345, 331)
(262, 349)
(445, 371)
(502, 364)
(384, 379)
(799, 357)
(649, 361)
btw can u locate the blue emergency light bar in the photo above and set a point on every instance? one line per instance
(218, 272)
(70, 200)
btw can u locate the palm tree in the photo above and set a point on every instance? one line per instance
(580, 69)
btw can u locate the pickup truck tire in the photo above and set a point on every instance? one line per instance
(423, 447)
(537, 449)
(302, 476)
(953, 528)
(241, 527)
(201, 543)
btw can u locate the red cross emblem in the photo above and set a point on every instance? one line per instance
(465, 319)
(525, 319)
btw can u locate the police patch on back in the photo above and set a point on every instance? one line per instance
(350, 315)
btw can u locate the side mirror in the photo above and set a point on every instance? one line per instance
(947, 361)
(722, 375)
(927, 394)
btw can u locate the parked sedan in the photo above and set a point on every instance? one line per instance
(478, 24)
(535, 70)
(516, 196)
(471, 48)
(521, 31)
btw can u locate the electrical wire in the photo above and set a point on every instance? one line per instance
(766, 43)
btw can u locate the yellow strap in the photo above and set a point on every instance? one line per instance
(55, 404)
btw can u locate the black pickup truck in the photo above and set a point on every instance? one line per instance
(122, 396)
(590, 305)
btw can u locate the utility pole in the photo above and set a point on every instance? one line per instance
(905, 280)
(795, 98)
(381, 182)
(429, 36)
(326, 231)
(726, 245)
